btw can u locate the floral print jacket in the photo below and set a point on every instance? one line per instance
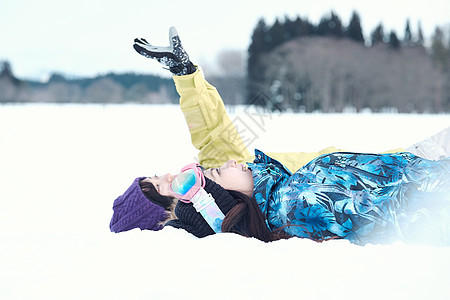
(365, 198)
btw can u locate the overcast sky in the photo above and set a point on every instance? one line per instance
(90, 37)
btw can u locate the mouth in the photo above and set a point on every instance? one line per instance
(244, 167)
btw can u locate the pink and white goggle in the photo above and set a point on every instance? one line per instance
(188, 186)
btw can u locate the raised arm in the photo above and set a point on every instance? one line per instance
(212, 131)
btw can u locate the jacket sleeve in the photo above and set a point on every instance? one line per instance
(295, 160)
(213, 133)
(211, 129)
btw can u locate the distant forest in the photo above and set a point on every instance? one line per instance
(290, 65)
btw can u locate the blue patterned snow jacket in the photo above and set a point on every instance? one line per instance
(365, 198)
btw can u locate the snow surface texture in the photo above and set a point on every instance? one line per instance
(62, 166)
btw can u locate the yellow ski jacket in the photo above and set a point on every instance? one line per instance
(213, 133)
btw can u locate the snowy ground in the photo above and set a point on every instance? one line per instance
(62, 166)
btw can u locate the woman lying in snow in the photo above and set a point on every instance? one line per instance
(403, 195)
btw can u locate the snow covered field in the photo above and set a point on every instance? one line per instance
(62, 166)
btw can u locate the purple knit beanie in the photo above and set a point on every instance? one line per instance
(134, 210)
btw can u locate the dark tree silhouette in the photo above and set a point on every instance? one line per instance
(354, 30)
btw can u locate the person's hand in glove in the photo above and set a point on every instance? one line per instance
(173, 56)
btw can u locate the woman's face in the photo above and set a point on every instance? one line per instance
(162, 183)
(231, 176)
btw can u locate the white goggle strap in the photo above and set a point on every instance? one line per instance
(205, 204)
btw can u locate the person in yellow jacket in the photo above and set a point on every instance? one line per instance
(212, 133)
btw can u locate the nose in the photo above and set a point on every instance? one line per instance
(168, 177)
(231, 163)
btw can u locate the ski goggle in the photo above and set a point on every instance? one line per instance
(188, 186)
(188, 182)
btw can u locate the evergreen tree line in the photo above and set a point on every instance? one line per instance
(296, 65)
(109, 88)
(331, 67)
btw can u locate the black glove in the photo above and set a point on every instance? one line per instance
(172, 56)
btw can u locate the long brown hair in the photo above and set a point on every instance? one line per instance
(246, 219)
